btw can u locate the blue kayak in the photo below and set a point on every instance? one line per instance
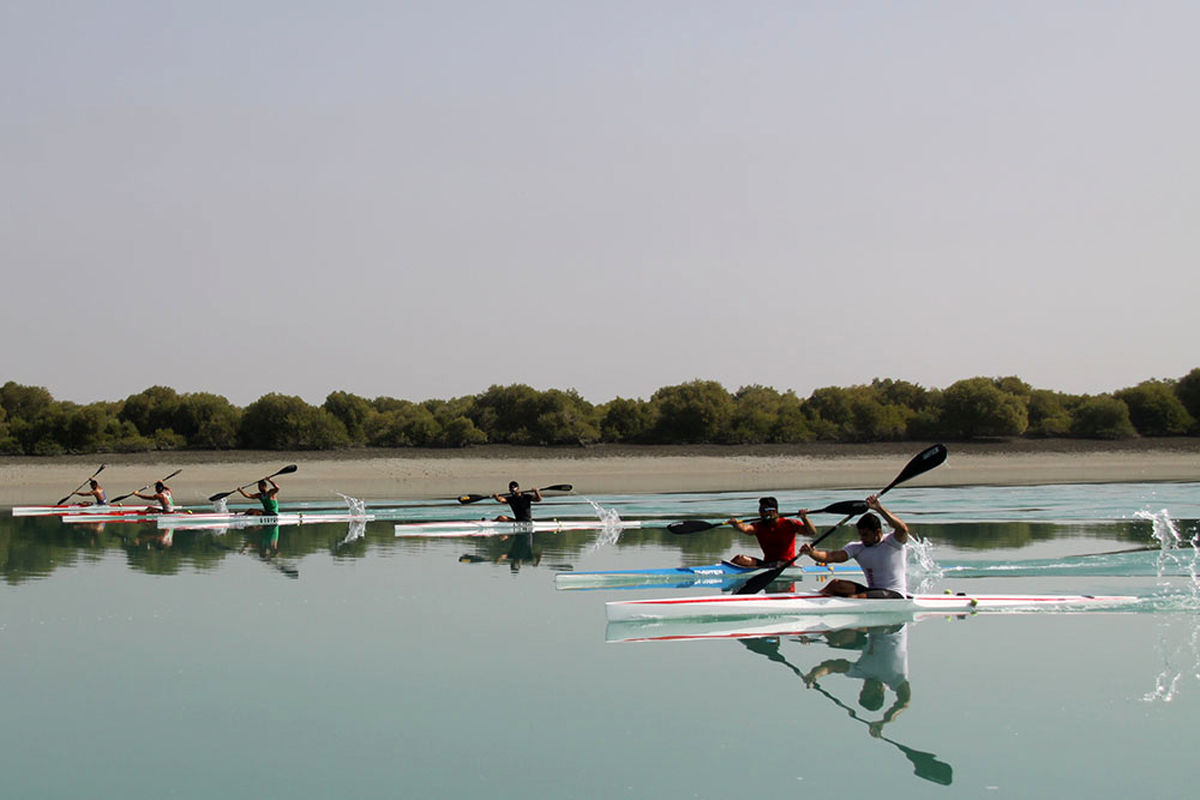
(681, 577)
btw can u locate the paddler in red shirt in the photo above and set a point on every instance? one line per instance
(776, 535)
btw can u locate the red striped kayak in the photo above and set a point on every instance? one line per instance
(755, 605)
(47, 511)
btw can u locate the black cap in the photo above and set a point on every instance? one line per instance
(768, 502)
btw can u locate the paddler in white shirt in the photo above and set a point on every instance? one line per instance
(162, 496)
(883, 558)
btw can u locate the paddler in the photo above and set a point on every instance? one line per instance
(776, 535)
(162, 496)
(883, 558)
(96, 492)
(267, 490)
(519, 502)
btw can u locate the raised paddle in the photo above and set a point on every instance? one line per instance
(80, 486)
(921, 463)
(290, 468)
(144, 488)
(475, 498)
(845, 507)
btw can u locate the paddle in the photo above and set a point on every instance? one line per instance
(290, 468)
(925, 765)
(920, 464)
(475, 498)
(80, 486)
(848, 507)
(144, 488)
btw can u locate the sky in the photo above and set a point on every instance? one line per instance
(423, 199)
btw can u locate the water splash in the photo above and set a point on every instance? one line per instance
(1167, 685)
(221, 506)
(356, 530)
(1177, 555)
(610, 522)
(356, 507)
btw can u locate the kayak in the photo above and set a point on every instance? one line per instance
(481, 527)
(680, 577)
(215, 520)
(46, 511)
(687, 630)
(755, 605)
(224, 519)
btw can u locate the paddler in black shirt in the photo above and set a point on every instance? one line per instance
(519, 502)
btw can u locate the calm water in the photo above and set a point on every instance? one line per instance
(384, 667)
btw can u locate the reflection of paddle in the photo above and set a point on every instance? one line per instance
(290, 468)
(846, 507)
(286, 569)
(475, 498)
(925, 765)
(144, 488)
(80, 486)
(920, 464)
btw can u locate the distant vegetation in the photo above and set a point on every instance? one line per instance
(32, 422)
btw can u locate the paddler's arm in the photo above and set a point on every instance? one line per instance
(824, 556)
(897, 525)
(809, 528)
(537, 495)
(739, 526)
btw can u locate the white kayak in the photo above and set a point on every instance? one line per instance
(76, 510)
(755, 605)
(482, 527)
(689, 630)
(216, 520)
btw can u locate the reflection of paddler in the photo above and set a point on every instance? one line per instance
(883, 664)
(268, 541)
(520, 551)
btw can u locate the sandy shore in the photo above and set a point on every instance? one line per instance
(400, 474)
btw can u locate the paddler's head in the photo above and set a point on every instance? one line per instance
(262, 486)
(768, 507)
(159, 486)
(514, 487)
(870, 529)
(95, 484)
(871, 695)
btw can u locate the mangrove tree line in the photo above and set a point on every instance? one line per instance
(32, 422)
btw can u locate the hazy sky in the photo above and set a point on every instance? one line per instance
(423, 199)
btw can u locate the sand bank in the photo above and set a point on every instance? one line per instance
(415, 474)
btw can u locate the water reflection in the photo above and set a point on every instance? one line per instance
(873, 658)
(514, 550)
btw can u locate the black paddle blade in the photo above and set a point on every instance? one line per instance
(558, 487)
(927, 765)
(472, 498)
(218, 496)
(846, 508)
(692, 526)
(290, 468)
(922, 462)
